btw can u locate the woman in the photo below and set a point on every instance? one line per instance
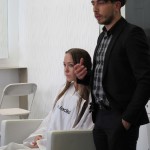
(71, 107)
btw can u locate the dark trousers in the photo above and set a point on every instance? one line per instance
(109, 133)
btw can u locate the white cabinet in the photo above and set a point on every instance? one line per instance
(144, 137)
(148, 107)
(143, 141)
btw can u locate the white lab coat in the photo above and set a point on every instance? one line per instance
(62, 117)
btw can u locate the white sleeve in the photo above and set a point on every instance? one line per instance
(43, 128)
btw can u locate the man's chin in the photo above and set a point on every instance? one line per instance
(100, 22)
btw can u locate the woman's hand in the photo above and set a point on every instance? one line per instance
(34, 143)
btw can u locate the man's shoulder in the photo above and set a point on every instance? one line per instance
(130, 26)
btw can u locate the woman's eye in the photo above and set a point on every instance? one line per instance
(71, 65)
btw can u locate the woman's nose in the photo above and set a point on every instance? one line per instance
(66, 69)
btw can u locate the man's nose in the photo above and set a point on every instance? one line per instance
(95, 8)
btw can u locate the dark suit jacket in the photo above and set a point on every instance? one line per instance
(126, 72)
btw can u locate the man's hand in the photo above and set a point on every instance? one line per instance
(80, 70)
(126, 124)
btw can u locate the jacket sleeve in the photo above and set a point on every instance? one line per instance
(87, 79)
(138, 53)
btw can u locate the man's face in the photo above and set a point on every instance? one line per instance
(104, 11)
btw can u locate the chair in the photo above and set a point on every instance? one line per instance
(12, 130)
(57, 140)
(18, 90)
(70, 140)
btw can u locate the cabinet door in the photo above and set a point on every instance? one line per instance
(137, 12)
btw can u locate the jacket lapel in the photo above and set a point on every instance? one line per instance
(120, 27)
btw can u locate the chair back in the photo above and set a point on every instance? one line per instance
(70, 140)
(12, 130)
(19, 89)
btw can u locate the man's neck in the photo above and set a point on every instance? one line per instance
(109, 26)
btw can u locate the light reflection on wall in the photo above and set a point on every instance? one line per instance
(3, 29)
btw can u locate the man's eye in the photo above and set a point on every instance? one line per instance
(101, 2)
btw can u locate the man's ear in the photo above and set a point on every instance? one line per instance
(118, 4)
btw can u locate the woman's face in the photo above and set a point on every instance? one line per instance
(69, 68)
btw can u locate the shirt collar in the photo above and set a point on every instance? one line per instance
(113, 28)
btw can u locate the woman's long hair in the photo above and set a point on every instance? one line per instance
(83, 90)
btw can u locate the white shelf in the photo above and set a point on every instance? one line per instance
(12, 67)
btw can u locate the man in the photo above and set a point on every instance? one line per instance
(120, 79)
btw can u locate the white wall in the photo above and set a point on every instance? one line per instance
(40, 31)
(3, 28)
(13, 26)
(46, 30)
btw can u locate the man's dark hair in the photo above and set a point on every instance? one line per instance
(122, 1)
